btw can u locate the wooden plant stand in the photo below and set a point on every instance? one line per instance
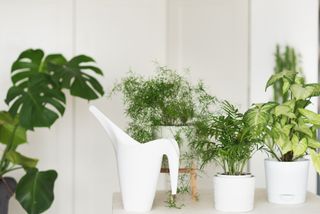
(193, 179)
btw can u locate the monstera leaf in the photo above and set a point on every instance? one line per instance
(35, 190)
(73, 75)
(36, 94)
(7, 129)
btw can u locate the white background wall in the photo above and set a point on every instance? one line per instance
(211, 37)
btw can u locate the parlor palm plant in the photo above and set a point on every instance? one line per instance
(37, 99)
(225, 140)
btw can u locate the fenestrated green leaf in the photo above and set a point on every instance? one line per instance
(19, 159)
(300, 148)
(311, 117)
(300, 92)
(74, 76)
(315, 157)
(7, 124)
(34, 96)
(289, 75)
(312, 143)
(35, 190)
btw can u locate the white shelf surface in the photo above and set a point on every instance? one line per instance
(205, 205)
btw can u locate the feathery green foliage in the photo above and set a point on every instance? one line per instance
(165, 99)
(225, 139)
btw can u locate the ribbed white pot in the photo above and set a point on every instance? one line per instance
(286, 181)
(234, 193)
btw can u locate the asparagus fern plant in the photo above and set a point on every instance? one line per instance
(37, 99)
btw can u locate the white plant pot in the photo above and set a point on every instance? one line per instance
(286, 181)
(139, 165)
(234, 193)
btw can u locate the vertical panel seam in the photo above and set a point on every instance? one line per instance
(249, 63)
(73, 159)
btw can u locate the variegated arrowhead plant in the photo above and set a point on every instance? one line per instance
(37, 99)
(288, 129)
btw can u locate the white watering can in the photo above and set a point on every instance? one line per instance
(139, 165)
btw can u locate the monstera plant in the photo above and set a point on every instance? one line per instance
(37, 99)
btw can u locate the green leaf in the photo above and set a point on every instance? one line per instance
(284, 143)
(286, 129)
(311, 117)
(34, 96)
(35, 190)
(74, 76)
(7, 124)
(315, 89)
(312, 143)
(259, 115)
(303, 128)
(285, 86)
(19, 159)
(300, 92)
(284, 110)
(315, 157)
(300, 148)
(288, 75)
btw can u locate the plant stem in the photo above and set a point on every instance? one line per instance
(4, 162)
(10, 170)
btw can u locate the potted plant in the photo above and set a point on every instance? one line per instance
(224, 138)
(37, 99)
(165, 106)
(288, 130)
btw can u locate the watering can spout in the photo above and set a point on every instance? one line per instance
(173, 158)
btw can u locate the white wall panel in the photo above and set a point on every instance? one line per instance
(47, 25)
(119, 34)
(284, 22)
(211, 38)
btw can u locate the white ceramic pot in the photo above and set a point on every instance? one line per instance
(286, 181)
(234, 193)
(139, 165)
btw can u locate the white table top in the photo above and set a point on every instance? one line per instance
(205, 205)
